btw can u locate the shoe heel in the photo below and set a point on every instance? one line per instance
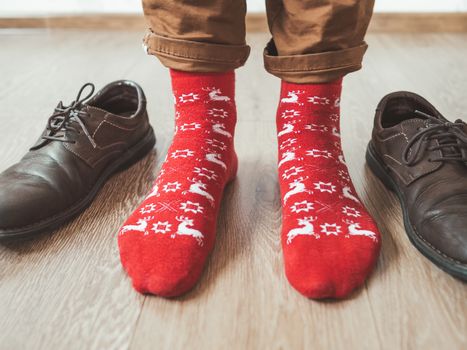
(139, 151)
(377, 168)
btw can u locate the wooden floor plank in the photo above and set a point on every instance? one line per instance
(69, 291)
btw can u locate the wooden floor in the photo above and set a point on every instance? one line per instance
(68, 290)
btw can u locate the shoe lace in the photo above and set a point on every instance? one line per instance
(66, 119)
(451, 137)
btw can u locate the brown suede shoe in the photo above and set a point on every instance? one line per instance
(81, 147)
(422, 157)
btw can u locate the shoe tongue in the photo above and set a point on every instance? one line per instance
(412, 125)
(96, 111)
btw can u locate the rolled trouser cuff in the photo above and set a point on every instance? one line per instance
(195, 56)
(314, 68)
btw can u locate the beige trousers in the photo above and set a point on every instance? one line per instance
(313, 41)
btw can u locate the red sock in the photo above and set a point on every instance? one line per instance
(329, 240)
(164, 244)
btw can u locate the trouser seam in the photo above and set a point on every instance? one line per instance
(314, 69)
(171, 53)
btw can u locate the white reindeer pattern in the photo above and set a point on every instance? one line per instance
(347, 193)
(286, 157)
(335, 132)
(306, 229)
(296, 187)
(140, 226)
(288, 128)
(184, 229)
(220, 129)
(215, 95)
(354, 230)
(215, 158)
(199, 187)
(292, 97)
(154, 192)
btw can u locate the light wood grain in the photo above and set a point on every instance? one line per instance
(68, 291)
(255, 22)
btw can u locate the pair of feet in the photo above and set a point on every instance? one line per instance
(330, 242)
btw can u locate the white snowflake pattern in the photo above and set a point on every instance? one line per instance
(287, 143)
(330, 229)
(305, 206)
(316, 153)
(161, 227)
(190, 126)
(316, 100)
(337, 102)
(172, 186)
(351, 212)
(315, 127)
(217, 144)
(290, 113)
(191, 207)
(218, 113)
(209, 174)
(344, 175)
(184, 153)
(191, 97)
(148, 208)
(292, 171)
(325, 187)
(334, 117)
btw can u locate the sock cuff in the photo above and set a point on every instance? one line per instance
(185, 81)
(333, 87)
(178, 74)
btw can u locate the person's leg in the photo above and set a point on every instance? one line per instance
(316, 41)
(164, 244)
(329, 240)
(207, 36)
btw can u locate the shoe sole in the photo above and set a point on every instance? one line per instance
(445, 263)
(130, 157)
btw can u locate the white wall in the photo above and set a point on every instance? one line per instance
(399, 5)
(45, 7)
(421, 5)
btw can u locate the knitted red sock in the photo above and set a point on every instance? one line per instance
(164, 244)
(329, 240)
